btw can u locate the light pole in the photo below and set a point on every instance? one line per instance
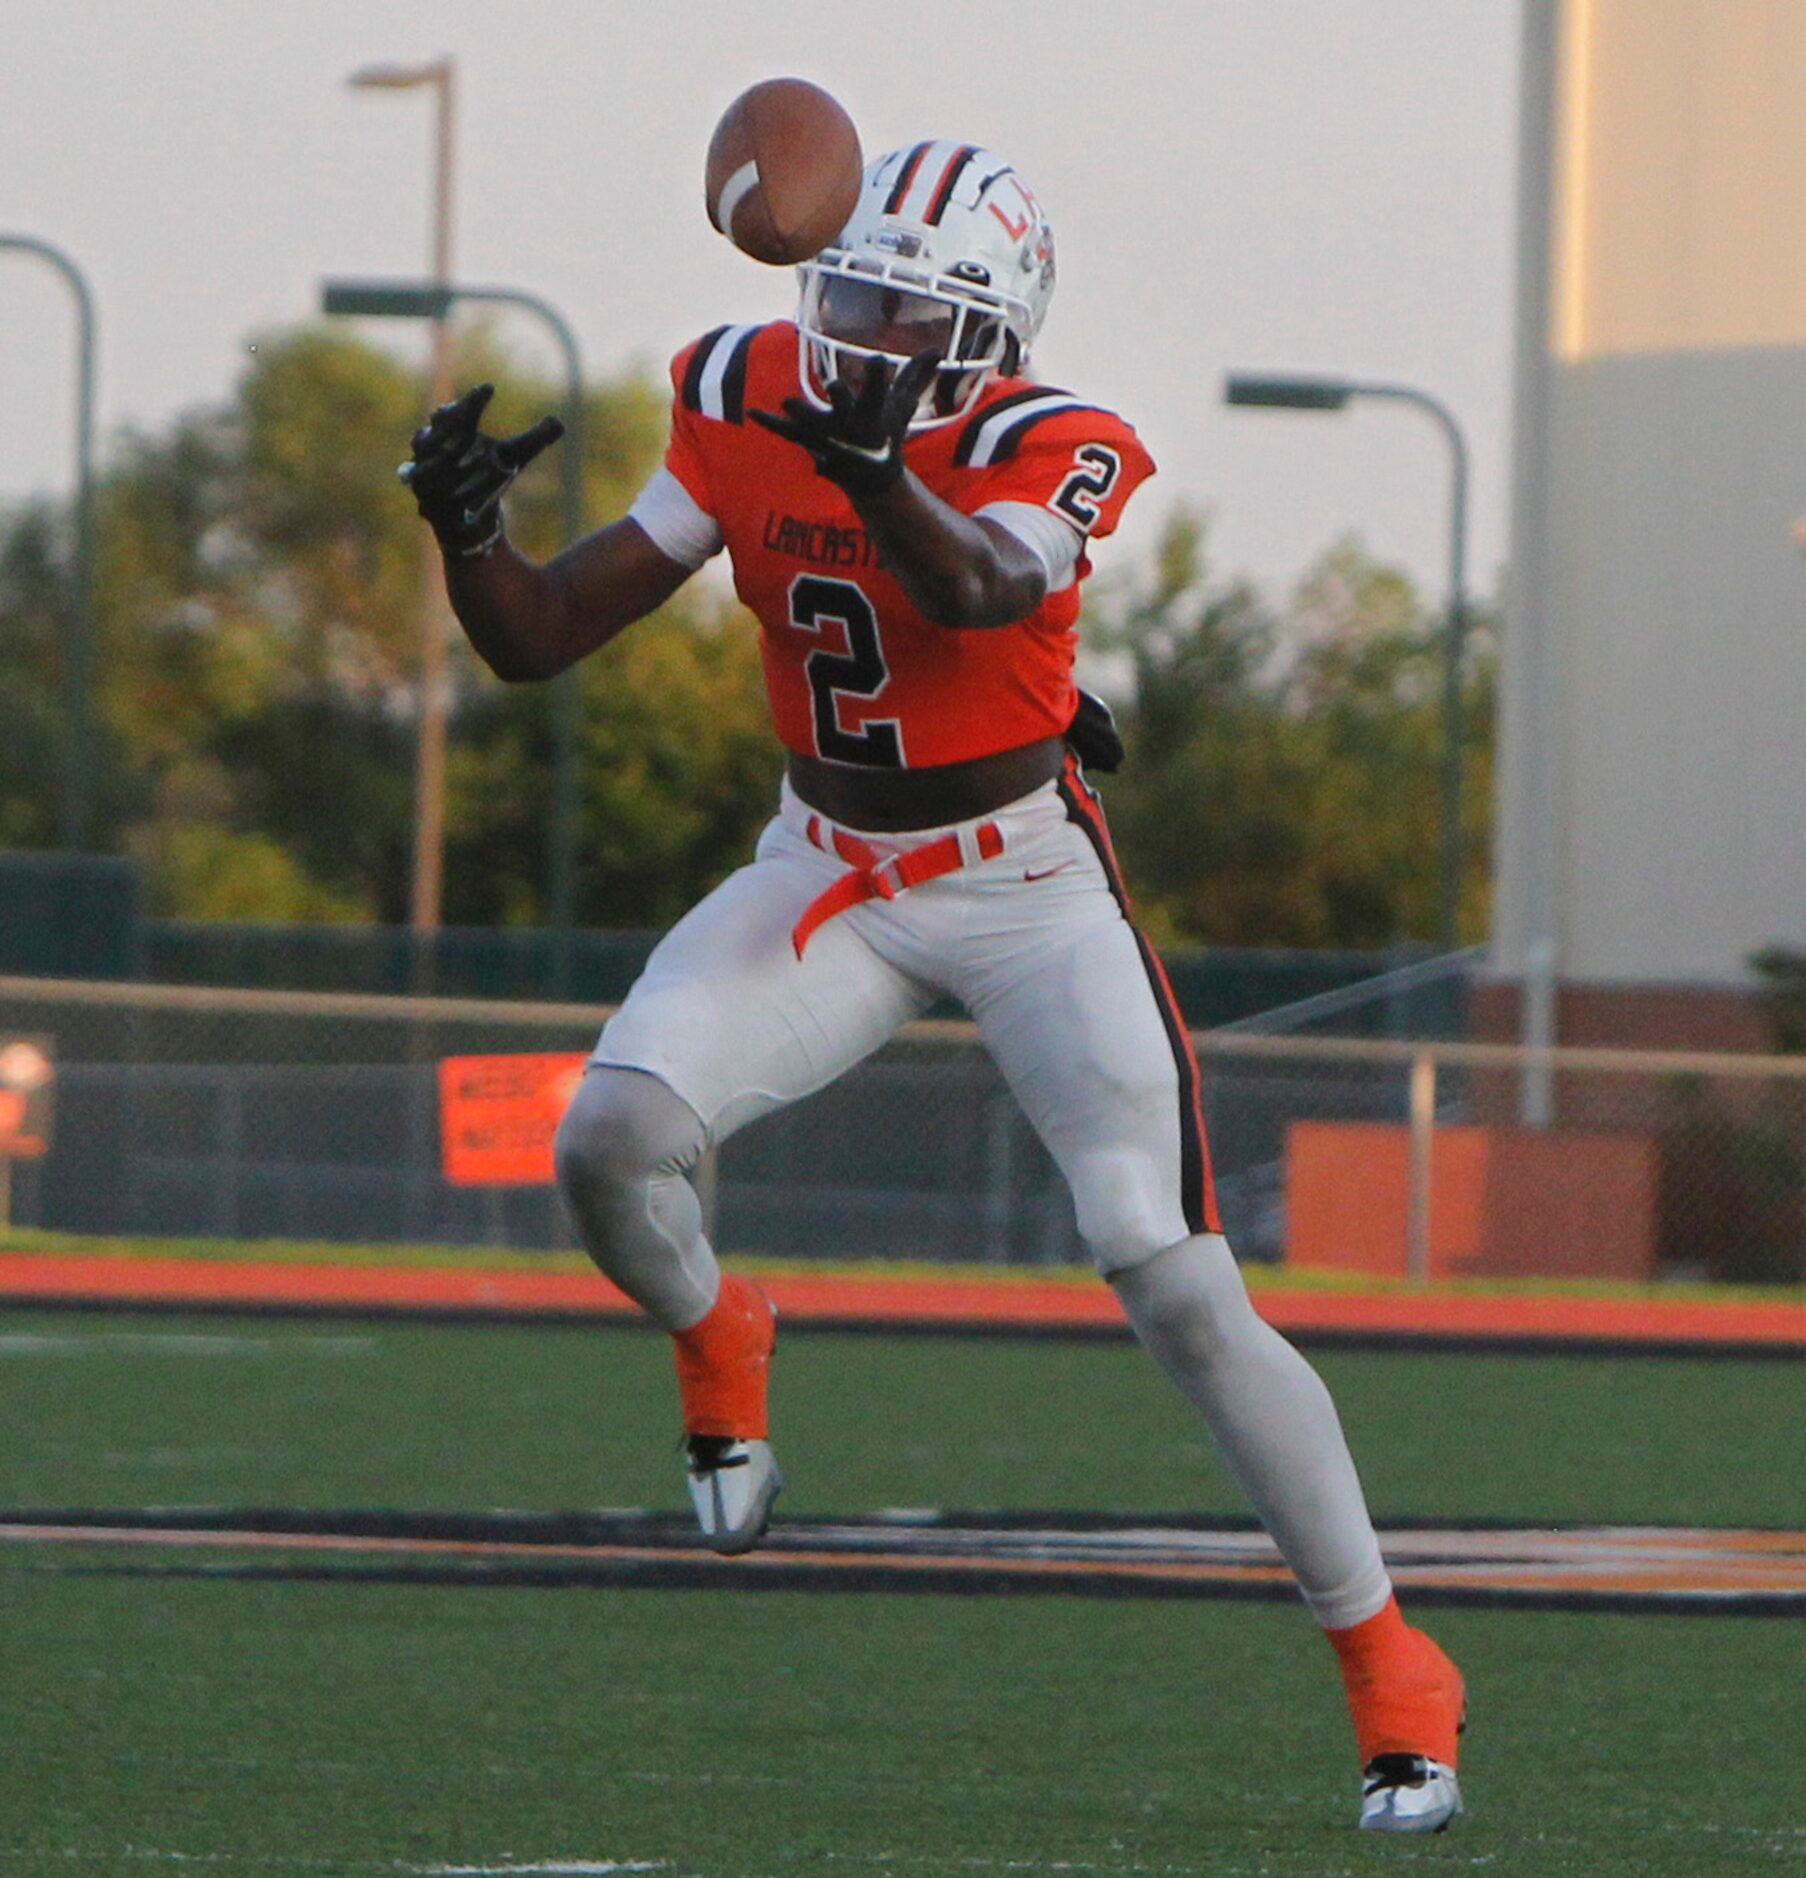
(78, 682)
(1275, 391)
(401, 299)
(426, 889)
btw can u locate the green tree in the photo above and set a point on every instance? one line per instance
(259, 597)
(1283, 783)
(253, 567)
(32, 632)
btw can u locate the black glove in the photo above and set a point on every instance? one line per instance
(858, 441)
(1093, 735)
(458, 475)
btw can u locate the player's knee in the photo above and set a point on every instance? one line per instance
(1188, 1296)
(623, 1128)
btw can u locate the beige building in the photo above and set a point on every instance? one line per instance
(1651, 814)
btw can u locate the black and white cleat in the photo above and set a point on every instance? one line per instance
(732, 1486)
(1408, 1793)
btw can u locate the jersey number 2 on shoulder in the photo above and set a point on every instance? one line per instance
(1080, 498)
(859, 672)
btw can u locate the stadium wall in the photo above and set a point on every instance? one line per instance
(1652, 777)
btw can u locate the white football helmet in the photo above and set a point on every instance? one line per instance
(946, 247)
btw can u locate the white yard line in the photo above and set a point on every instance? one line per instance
(177, 1343)
(513, 1868)
(559, 1868)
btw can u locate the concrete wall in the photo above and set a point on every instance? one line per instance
(1652, 783)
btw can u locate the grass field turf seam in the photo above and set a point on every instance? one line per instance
(271, 1728)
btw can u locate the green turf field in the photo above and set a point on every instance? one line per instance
(168, 1722)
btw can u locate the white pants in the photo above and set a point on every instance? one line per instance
(1077, 1013)
(1068, 999)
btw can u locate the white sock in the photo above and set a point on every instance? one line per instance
(1271, 1417)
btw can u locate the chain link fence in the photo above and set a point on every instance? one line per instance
(196, 1112)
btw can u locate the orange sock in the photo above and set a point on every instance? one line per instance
(1404, 1694)
(724, 1360)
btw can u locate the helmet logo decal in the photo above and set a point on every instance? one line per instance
(1015, 230)
(1031, 212)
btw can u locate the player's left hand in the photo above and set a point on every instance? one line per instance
(857, 442)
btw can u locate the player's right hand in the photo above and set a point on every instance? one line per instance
(459, 476)
(857, 442)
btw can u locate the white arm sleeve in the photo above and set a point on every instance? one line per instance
(1052, 542)
(677, 526)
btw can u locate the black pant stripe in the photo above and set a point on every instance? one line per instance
(1196, 1186)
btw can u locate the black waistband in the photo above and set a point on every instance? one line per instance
(887, 801)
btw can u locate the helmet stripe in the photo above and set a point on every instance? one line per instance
(900, 188)
(943, 193)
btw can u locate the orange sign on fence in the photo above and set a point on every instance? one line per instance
(497, 1116)
(27, 1083)
(1503, 1202)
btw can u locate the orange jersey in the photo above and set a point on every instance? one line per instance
(855, 673)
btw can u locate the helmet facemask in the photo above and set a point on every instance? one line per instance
(857, 308)
(947, 248)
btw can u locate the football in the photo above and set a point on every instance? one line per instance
(783, 171)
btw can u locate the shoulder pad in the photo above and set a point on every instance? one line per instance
(710, 376)
(995, 433)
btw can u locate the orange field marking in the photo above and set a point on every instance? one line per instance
(1623, 1567)
(839, 1296)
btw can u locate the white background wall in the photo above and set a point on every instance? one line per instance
(1653, 760)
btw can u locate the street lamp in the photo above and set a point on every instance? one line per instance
(403, 299)
(426, 890)
(78, 682)
(1287, 392)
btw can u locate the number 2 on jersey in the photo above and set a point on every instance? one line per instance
(859, 672)
(1080, 498)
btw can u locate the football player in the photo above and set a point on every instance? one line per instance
(910, 516)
